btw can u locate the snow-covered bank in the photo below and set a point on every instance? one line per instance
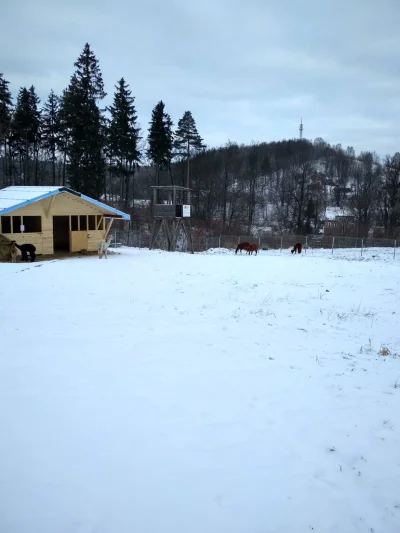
(209, 393)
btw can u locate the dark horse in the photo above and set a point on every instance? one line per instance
(297, 248)
(25, 250)
(242, 246)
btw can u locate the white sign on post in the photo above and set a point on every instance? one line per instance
(22, 228)
(186, 211)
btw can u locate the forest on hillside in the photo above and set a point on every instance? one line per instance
(284, 186)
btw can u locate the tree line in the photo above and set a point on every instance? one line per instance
(286, 186)
(280, 186)
(70, 140)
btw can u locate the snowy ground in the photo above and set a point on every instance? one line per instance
(214, 393)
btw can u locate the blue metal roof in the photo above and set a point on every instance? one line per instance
(13, 198)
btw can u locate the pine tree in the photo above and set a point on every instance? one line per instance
(84, 123)
(123, 137)
(5, 125)
(51, 130)
(187, 140)
(64, 138)
(160, 140)
(36, 132)
(26, 131)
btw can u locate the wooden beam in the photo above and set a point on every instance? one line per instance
(108, 227)
(168, 234)
(49, 206)
(155, 232)
(188, 233)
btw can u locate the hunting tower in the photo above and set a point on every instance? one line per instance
(171, 212)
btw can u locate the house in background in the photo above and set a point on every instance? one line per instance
(340, 222)
(55, 219)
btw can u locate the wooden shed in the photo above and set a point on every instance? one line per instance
(55, 219)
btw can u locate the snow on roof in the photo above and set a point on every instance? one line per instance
(12, 198)
(332, 212)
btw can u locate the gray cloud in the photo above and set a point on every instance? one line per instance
(247, 70)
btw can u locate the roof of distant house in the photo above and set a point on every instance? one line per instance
(12, 198)
(332, 212)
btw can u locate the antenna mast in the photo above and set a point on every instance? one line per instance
(301, 128)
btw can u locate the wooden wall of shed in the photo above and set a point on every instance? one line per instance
(58, 205)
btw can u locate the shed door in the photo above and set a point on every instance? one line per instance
(79, 241)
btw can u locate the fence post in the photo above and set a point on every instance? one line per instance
(281, 243)
(362, 246)
(115, 236)
(259, 241)
(306, 246)
(394, 249)
(219, 245)
(333, 243)
(140, 234)
(239, 239)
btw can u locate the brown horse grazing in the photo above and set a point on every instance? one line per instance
(252, 248)
(242, 246)
(297, 248)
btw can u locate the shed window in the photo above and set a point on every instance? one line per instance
(82, 223)
(32, 224)
(74, 223)
(16, 224)
(6, 224)
(92, 222)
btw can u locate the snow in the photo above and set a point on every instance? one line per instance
(158, 392)
(13, 196)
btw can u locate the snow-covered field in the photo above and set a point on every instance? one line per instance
(214, 393)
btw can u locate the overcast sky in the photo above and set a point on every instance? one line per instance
(247, 69)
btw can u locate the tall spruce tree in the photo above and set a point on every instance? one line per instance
(84, 122)
(5, 127)
(160, 140)
(26, 133)
(64, 136)
(123, 137)
(50, 136)
(36, 137)
(187, 141)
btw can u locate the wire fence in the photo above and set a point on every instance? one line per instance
(141, 239)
